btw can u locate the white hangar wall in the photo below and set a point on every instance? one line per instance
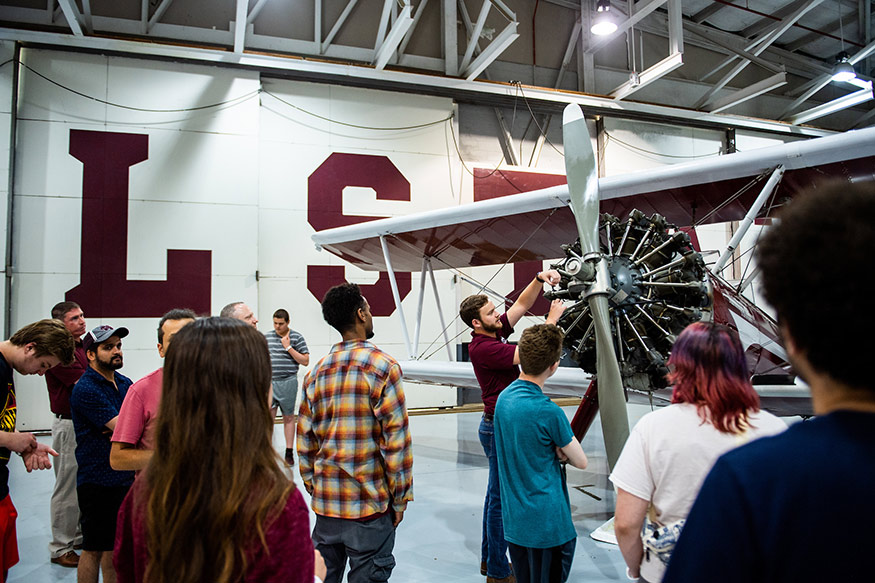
(216, 199)
(178, 204)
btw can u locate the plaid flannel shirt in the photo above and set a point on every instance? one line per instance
(353, 437)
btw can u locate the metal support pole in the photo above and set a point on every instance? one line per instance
(418, 325)
(749, 218)
(396, 295)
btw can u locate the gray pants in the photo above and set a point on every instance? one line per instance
(64, 505)
(368, 546)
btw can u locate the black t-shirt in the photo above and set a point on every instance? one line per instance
(7, 420)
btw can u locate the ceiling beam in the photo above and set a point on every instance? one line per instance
(240, 26)
(158, 14)
(384, 23)
(761, 45)
(492, 51)
(849, 100)
(338, 24)
(749, 92)
(402, 24)
(707, 12)
(474, 34)
(450, 37)
(86, 16)
(315, 70)
(416, 16)
(71, 13)
(256, 10)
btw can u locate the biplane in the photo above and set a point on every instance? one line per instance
(633, 275)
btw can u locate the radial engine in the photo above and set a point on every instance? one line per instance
(658, 286)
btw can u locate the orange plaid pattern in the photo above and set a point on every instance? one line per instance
(353, 436)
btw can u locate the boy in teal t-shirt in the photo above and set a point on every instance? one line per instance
(532, 438)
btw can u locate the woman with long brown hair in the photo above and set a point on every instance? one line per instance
(670, 451)
(214, 504)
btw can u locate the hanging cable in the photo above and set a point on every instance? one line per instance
(540, 129)
(361, 127)
(613, 138)
(233, 101)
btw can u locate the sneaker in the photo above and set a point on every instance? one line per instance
(483, 568)
(68, 559)
(290, 456)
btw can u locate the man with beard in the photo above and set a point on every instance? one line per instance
(95, 404)
(496, 365)
(59, 382)
(354, 445)
(133, 439)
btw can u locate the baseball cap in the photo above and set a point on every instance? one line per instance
(102, 334)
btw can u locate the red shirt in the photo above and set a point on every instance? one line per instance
(493, 363)
(290, 558)
(60, 380)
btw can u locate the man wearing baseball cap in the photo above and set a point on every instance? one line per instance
(95, 403)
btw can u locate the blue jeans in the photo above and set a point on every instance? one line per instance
(493, 549)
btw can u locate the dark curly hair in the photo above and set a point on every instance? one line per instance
(816, 272)
(340, 305)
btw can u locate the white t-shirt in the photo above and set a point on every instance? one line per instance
(667, 456)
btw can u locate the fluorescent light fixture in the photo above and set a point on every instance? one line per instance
(849, 100)
(603, 23)
(644, 78)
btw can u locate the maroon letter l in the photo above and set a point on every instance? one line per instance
(104, 290)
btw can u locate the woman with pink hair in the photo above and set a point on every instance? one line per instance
(670, 451)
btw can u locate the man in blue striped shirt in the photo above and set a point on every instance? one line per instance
(288, 351)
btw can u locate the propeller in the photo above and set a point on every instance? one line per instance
(580, 170)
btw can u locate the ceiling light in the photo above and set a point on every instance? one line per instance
(843, 70)
(603, 23)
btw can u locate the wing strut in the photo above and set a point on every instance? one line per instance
(749, 218)
(396, 295)
(413, 349)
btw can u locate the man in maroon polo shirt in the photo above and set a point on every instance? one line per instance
(60, 381)
(496, 365)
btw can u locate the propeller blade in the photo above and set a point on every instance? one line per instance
(612, 398)
(580, 169)
(583, 180)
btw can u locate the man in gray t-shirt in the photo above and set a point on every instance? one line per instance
(288, 351)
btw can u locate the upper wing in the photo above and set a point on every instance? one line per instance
(531, 225)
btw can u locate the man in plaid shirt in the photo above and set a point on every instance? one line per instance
(354, 445)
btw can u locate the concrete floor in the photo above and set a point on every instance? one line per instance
(439, 540)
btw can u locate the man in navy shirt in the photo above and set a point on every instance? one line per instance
(495, 365)
(95, 403)
(798, 506)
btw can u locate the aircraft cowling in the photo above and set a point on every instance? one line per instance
(659, 285)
